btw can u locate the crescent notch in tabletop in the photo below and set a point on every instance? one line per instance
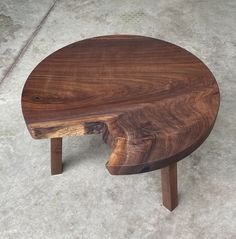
(153, 101)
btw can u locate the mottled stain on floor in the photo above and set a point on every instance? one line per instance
(7, 28)
(18, 20)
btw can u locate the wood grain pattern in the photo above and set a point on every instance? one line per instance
(153, 101)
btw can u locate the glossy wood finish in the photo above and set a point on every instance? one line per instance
(56, 156)
(153, 101)
(169, 186)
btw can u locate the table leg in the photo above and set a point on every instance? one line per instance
(56, 156)
(169, 186)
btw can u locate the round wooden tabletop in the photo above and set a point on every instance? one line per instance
(153, 101)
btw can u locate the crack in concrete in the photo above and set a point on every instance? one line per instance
(28, 42)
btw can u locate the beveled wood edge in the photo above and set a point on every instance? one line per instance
(129, 169)
(154, 165)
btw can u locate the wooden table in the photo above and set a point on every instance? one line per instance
(153, 101)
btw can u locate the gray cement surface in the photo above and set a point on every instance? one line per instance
(85, 201)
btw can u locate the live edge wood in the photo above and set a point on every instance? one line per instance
(153, 101)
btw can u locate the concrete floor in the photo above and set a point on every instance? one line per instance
(85, 201)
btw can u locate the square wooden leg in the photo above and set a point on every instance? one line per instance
(169, 186)
(56, 156)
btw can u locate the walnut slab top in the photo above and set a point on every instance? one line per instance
(153, 101)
